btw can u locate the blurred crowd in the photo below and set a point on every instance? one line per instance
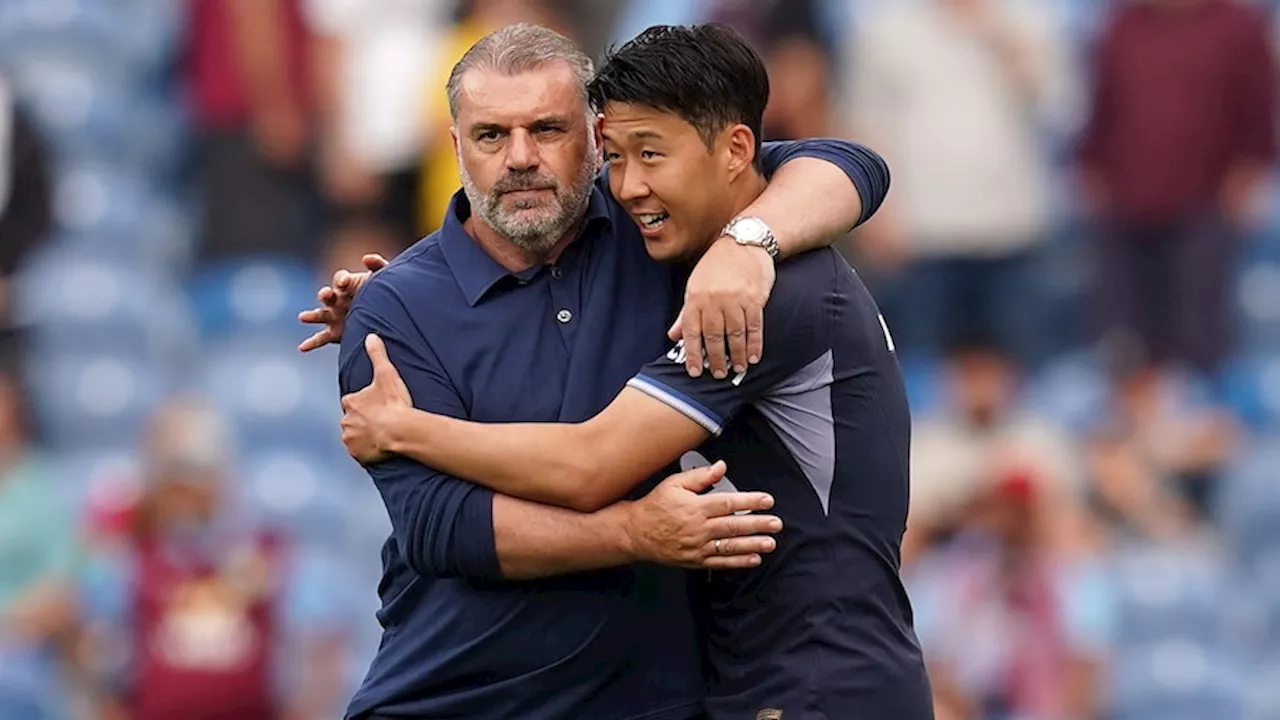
(1079, 261)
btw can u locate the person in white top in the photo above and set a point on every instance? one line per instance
(374, 59)
(961, 95)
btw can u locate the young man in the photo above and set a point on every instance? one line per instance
(822, 628)
(536, 302)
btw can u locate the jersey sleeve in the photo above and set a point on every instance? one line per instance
(797, 322)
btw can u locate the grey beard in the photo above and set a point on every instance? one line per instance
(536, 237)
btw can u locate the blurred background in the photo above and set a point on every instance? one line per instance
(1079, 261)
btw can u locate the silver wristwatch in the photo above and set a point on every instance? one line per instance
(752, 231)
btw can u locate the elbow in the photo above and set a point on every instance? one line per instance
(455, 543)
(582, 480)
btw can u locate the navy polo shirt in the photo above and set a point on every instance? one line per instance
(552, 344)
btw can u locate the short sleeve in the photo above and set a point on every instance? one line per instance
(796, 326)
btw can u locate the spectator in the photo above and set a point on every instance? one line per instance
(365, 55)
(201, 614)
(980, 434)
(26, 210)
(958, 95)
(1011, 628)
(788, 36)
(786, 33)
(1155, 458)
(1181, 134)
(38, 553)
(247, 68)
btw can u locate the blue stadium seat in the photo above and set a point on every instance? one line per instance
(273, 395)
(78, 305)
(1177, 679)
(1174, 591)
(299, 493)
(255, 298)
(1249, 504)
(86, 402)
(1070, 391)
(1251, 385)
(1258, 300)
(137, 33)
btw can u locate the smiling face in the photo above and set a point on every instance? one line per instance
(675, 186)
(527, 152)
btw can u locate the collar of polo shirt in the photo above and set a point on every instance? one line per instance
(475, 271)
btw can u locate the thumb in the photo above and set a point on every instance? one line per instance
(378, 355)
(701, 479)
(677, 328)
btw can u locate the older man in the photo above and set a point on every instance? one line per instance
(498, 607)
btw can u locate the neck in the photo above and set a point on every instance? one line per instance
(510, 256)
(742, 192)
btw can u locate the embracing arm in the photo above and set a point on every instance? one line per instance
(445, 526)
(822, 188)
(583, 466)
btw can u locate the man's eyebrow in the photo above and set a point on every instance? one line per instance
(484, 127)
(633, 135)
(549, 122)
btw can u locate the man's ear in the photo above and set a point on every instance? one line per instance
(741, 147)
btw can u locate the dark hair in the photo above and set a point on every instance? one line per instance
(706, 74)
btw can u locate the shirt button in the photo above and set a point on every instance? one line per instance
(556, 272)
(564, 316)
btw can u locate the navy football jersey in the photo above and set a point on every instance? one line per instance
(823, 628)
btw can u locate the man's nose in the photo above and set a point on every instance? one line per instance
(632, 185)
(522, 152)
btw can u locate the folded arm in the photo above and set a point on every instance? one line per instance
(445, 526)
(584, 466)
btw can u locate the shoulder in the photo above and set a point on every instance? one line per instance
(807, 278)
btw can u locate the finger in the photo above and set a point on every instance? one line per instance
(346, 407)
(713, 343)
(701, 479)
(314, 316)
(317, 340)
(743, 526)
(382, 367)
(755, 334)
(728, 503)
(327, 296)
(731, 562)
(735, 331)
(342, 280)
(692, 327)
(373, 262)
(751, 545)
(677, 328)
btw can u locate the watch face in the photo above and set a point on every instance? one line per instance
(750, 230)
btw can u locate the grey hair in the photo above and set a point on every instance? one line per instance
(519, 48)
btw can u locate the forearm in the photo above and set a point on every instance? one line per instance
(810, 202)
(542, 462)
(536, 541)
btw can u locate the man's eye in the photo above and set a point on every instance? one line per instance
(611, 156)
(488, 136)
(648, 154)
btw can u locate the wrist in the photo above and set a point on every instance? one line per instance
(619, 526)
(398, 435)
